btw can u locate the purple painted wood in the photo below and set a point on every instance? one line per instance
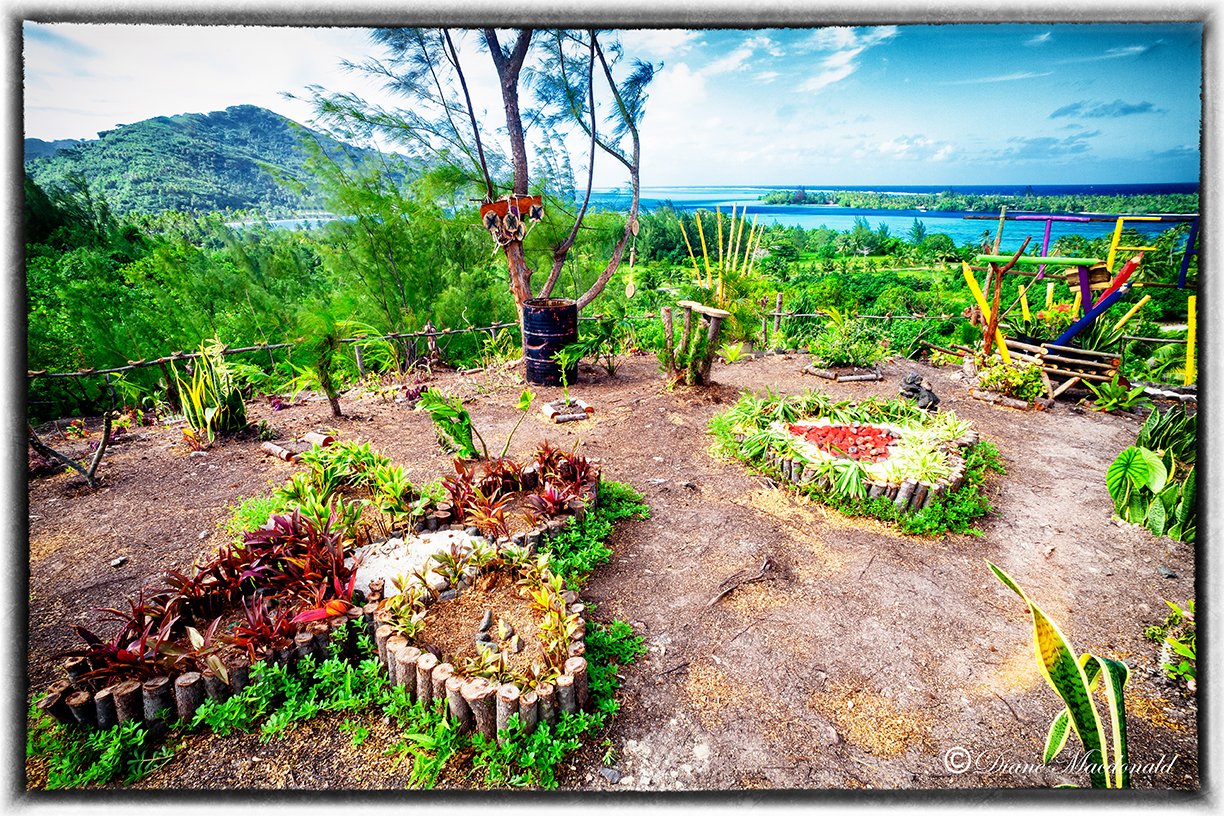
(1090, 316)
(1045, 241)
(1191, 239)
(1085, 291)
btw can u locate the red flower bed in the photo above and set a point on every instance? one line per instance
(864, 443)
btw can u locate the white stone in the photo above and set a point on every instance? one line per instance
(398, 557)
(702, 751)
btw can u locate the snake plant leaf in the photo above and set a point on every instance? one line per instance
(1056, 740)
(1060, 668)
(1136, 509)
(1186, 505)
(1157, 519)
(1116, 674)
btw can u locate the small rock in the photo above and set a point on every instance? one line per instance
(702, 751)
(194, 454)
(448, 595)
(611, 774)
(203, 535)
(486, 621)
(472, 531)
(1165, 571)
(689, 485)
(516, 644)
(119, 562)
(484, 637)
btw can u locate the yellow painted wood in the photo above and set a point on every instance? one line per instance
(1024, 307)
(692, 255)
(1075, 304)
(1050, 295)
(976, 291)
(1117, 237)
(1191, 321)
(1126, 317)
(705, 253)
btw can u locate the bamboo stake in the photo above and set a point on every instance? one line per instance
(692, 255)
(1191, 332)
(1126, 317)
(718, 213)
(704, 253)
(668, 333)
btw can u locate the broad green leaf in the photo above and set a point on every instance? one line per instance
(1056, 740)
(1181, 648)
(1129, 469)
(1136, 508)
(1060, 668)
(1157, 475)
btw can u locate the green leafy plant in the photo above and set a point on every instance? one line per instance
(1155, 491)
(78, 758)
(1113, 396)
(1178, 640)
(524, 406)
(731, 352)
(1021, 381)
(847, 341)
(567, 360)
(212, 401)
(1075, 681)
(453, 424)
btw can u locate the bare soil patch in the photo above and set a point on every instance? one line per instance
(936, 648)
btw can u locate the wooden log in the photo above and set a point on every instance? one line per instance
(239, 673)
(507, 706)
(381, 635)
(777, 315)
(577, 648)
(701, 308)
(576, 667)
(75, 668)
(1016, 344)
(478, 693)
(567, 702)
(405, 669)
(686, 335)
(438, 677)
(1079, 352)
(215, 688)
(318, 439)
(711, 341)
(158, 694)
(81, 706)
(873, 376)
(1092, 365)
(276, 450)
(919, 497)
(104, 708)
(547, 694)
(395, 643)
(55, 704)
(456, 706)
(903, 494)
(529, 711)
(424, 678)
(1025, 358)
(1068, 384)
(188, 694)
(303, 645)
(129, 701)
(669, 357)
(1083, 375)
(374, 592)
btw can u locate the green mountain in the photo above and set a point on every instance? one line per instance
(38, 149)
(244, 157)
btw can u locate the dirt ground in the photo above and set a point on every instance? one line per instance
(867, 659)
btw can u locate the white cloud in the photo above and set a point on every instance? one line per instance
(1001, 78)
(847, 45)
(1040, 39)
(766, 76)
(658, 43)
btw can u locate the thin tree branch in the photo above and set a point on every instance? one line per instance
(484, 168)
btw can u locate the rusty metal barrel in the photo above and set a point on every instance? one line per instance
(549, 325)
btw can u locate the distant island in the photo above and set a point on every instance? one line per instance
(953, 201)
(244, 158)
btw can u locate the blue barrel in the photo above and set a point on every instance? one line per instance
(549, 325)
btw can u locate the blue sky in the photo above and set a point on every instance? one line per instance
(907, 104)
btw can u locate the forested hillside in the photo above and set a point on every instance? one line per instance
(241, 158)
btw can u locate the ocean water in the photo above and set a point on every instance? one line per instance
(959, 226)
